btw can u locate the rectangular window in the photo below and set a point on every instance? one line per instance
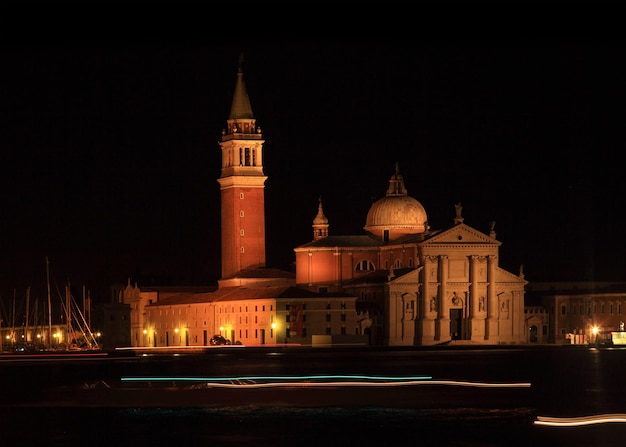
(343, 317)
(563, 310)
(343, 330)
(327, 331)
(327, 317)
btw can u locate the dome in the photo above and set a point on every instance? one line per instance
(396, 214)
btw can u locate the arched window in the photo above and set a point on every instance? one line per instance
(364, 265)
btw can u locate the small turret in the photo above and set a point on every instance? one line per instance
(320, 223)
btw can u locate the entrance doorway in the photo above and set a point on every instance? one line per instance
(456, 319)
(533, 334)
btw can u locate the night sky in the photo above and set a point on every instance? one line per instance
(110, 153)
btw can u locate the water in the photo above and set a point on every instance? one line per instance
(246, 426)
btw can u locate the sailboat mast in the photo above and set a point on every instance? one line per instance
(26, 340)
(49, 306)
(68, 313)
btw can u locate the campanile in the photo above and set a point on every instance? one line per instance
(242, 186)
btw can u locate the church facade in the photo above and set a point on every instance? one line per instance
(400, 283)
(416, 285)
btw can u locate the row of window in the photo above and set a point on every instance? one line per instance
(224, 309)
(303, 306)
(247, 157)
(367, 265)
(303, 317)
(328, 332)
(586, 308)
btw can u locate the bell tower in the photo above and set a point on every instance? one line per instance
(242, 186)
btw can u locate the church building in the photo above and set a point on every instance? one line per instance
(400, 283)
(418, 286)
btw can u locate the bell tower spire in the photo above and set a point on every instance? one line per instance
(320, 223)
(242, 186)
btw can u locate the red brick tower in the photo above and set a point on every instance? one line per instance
(242, 186)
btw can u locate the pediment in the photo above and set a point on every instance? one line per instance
(504, 276)
(461, 234)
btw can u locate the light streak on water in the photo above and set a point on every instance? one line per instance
(580, 421)
(321, 381)
(297, 378)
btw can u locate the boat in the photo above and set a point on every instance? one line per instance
(34, 335)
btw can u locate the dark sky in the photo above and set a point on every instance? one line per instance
(110, 153)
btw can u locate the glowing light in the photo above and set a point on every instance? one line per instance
(579, 421)
(322, 380)
(296, 378)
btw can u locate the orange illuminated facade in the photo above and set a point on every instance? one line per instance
(416, 285)
(242, 186)
(401, 283)
(253, 304)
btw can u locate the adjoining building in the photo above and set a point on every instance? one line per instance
(398, 284)
(580, 312)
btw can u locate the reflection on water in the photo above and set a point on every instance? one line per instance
(245, 426)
